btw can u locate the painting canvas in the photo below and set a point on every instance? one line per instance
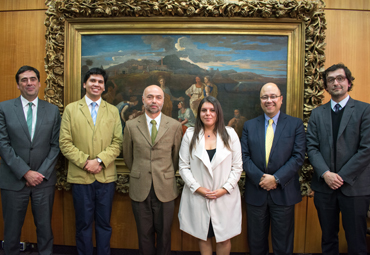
(233, 66)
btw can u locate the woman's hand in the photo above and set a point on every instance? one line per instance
(211, 194)
(216, 193)
(202, 191)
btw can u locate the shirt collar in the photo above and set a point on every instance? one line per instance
(89, 101)
(275, 118)
(25, 101)
(342, 103)
(157, 119)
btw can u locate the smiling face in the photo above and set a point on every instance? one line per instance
(29, 85)
(153, 99)
(337, 90)
(208, 115)
(94, 86)
(271, 106)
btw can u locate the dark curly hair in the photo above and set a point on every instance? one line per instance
(333, 68)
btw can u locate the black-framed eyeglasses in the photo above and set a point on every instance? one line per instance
(272, 97)
(339, 78)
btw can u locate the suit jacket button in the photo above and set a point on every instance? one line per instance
(150, 172)
(31, 148)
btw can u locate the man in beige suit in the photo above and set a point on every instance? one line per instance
(91, 138)
(151, 144)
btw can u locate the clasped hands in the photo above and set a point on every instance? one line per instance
(268, 182)
(333, 180)
(33, 178)
(211, 194)
(93, 166)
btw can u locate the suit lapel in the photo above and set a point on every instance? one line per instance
(278, 131)
(40, 117)
(260, 128)
(201, 153)
(327, 121)
(86, 112)
(101, 113)
(143, 128)
(347, 113)
(163, 127)
(18, 109)
(221, 152)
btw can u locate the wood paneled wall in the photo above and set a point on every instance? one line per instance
(22, 42)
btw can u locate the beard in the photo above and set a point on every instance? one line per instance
(149, 109)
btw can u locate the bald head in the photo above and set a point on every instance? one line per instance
(271, 99)
(269, 85)
(153, 99)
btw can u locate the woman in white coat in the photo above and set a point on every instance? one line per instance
(211, 165)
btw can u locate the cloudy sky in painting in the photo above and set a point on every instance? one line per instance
(265, 55)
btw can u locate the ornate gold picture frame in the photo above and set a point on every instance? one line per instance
(302, 22)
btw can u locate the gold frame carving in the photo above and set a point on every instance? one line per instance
(303, 22)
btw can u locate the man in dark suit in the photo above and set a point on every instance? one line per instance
(273, 146)
(151, 144)
(338, 146)
(29, 148)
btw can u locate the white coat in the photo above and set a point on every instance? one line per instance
(224, 171)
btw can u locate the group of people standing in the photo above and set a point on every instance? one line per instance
(210, 158)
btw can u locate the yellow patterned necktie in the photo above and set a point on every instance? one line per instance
(269, 139)
(154, 130)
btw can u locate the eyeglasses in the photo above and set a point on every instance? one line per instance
(272, 97)
(340, 79)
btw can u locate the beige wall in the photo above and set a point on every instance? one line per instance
(23, 42)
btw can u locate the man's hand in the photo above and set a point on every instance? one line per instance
(268, 182)
(33, 178)
(93, 166)
(333, 180)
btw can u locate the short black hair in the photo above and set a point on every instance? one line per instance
(24, 69)
(96, 70)
(335, 67)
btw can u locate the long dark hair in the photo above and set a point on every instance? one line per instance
(219, 125)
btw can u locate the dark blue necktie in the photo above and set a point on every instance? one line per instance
(337, 108)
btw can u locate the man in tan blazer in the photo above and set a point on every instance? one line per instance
(91, 138)
(153, 164)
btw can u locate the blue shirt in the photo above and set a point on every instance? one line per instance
(275, 119)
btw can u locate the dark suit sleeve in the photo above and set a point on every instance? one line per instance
(361, 159)
(251, 170)
(7, 153)
(47, 167)
(292, 165)
(313, 146)
(127, 146)
(176, 147)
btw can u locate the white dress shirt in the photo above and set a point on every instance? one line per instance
(148, 120)
(89, 101)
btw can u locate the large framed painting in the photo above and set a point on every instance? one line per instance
(190, 51)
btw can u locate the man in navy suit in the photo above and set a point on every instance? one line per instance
(29, 149)
(272, 187)
(338, 147)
